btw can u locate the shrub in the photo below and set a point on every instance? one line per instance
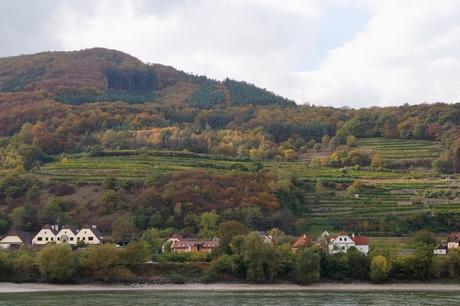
(177, 279)
(104, 262)
(380, 269)
(307, 267)
(57, 263)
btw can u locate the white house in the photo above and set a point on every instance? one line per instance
(15, 239)
(343, 241)
(45, 235)
(67, 234)
(441, 249)
(453, 241)
(90, 235)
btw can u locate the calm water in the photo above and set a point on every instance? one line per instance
(204, 298)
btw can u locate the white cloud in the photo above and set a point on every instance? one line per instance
(318, 51)
(407, 53)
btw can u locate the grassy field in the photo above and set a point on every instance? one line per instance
(401, 148)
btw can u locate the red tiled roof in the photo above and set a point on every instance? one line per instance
(301, 241)
(360, 240)
(453, 237)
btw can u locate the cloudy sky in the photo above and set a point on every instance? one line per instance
(325, 52)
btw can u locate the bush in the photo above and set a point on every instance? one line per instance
(307, 267)
(177, 279)
(104, 262)
(57, 263)
(380, 269)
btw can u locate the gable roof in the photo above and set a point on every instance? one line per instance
(26, 237)
(52, 228)
(453, 237)
(94, 230)
(71, 228)
(301, 241)
(191, 242)
(360, 240)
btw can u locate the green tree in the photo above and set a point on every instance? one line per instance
(103, 262)
(24, 265)
(359, 264)
(453, 263)
(208, 224)
(153, 240)
(57, 263)
(254, 256)
(123, 229)
(307, 267)
(54, 212)
(6, 267)
(19, 217)
(227, 231)
(380, 269)
(424, 236)
(136, 254)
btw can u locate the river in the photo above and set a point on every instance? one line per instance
(205, 298)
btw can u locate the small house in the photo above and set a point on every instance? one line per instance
(15, 239)
(453, 241)
(90, 235)
(46, 235)
(192, 244)
(343, 241)
(67, 234)
(441, 249)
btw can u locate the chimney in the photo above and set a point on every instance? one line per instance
(93, 226)
(353, 235)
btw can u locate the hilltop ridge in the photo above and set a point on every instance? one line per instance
(98, 74)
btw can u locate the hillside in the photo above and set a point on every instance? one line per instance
(97, 136)
(97, 75)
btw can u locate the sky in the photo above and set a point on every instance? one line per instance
(354, 53)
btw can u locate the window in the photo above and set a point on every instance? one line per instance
(52, 238)
(39, 238)
(83, 238)
(90, 238)
(71, 238)
(345, 239)
(340, 239)
(58, 238)
(46, 238)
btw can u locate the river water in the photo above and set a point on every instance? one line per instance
(205, 298)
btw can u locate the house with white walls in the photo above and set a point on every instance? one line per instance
(343, 241)
(46, 235)
(67, 234)
(89, 235)
(15, 239)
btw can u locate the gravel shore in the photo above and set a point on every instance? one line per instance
(34, 287)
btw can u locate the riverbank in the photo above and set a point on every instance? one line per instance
(34, 287)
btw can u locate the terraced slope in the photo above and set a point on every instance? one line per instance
(402, 148)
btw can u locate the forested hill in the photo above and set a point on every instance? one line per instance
(92, 136)
(96, 75)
